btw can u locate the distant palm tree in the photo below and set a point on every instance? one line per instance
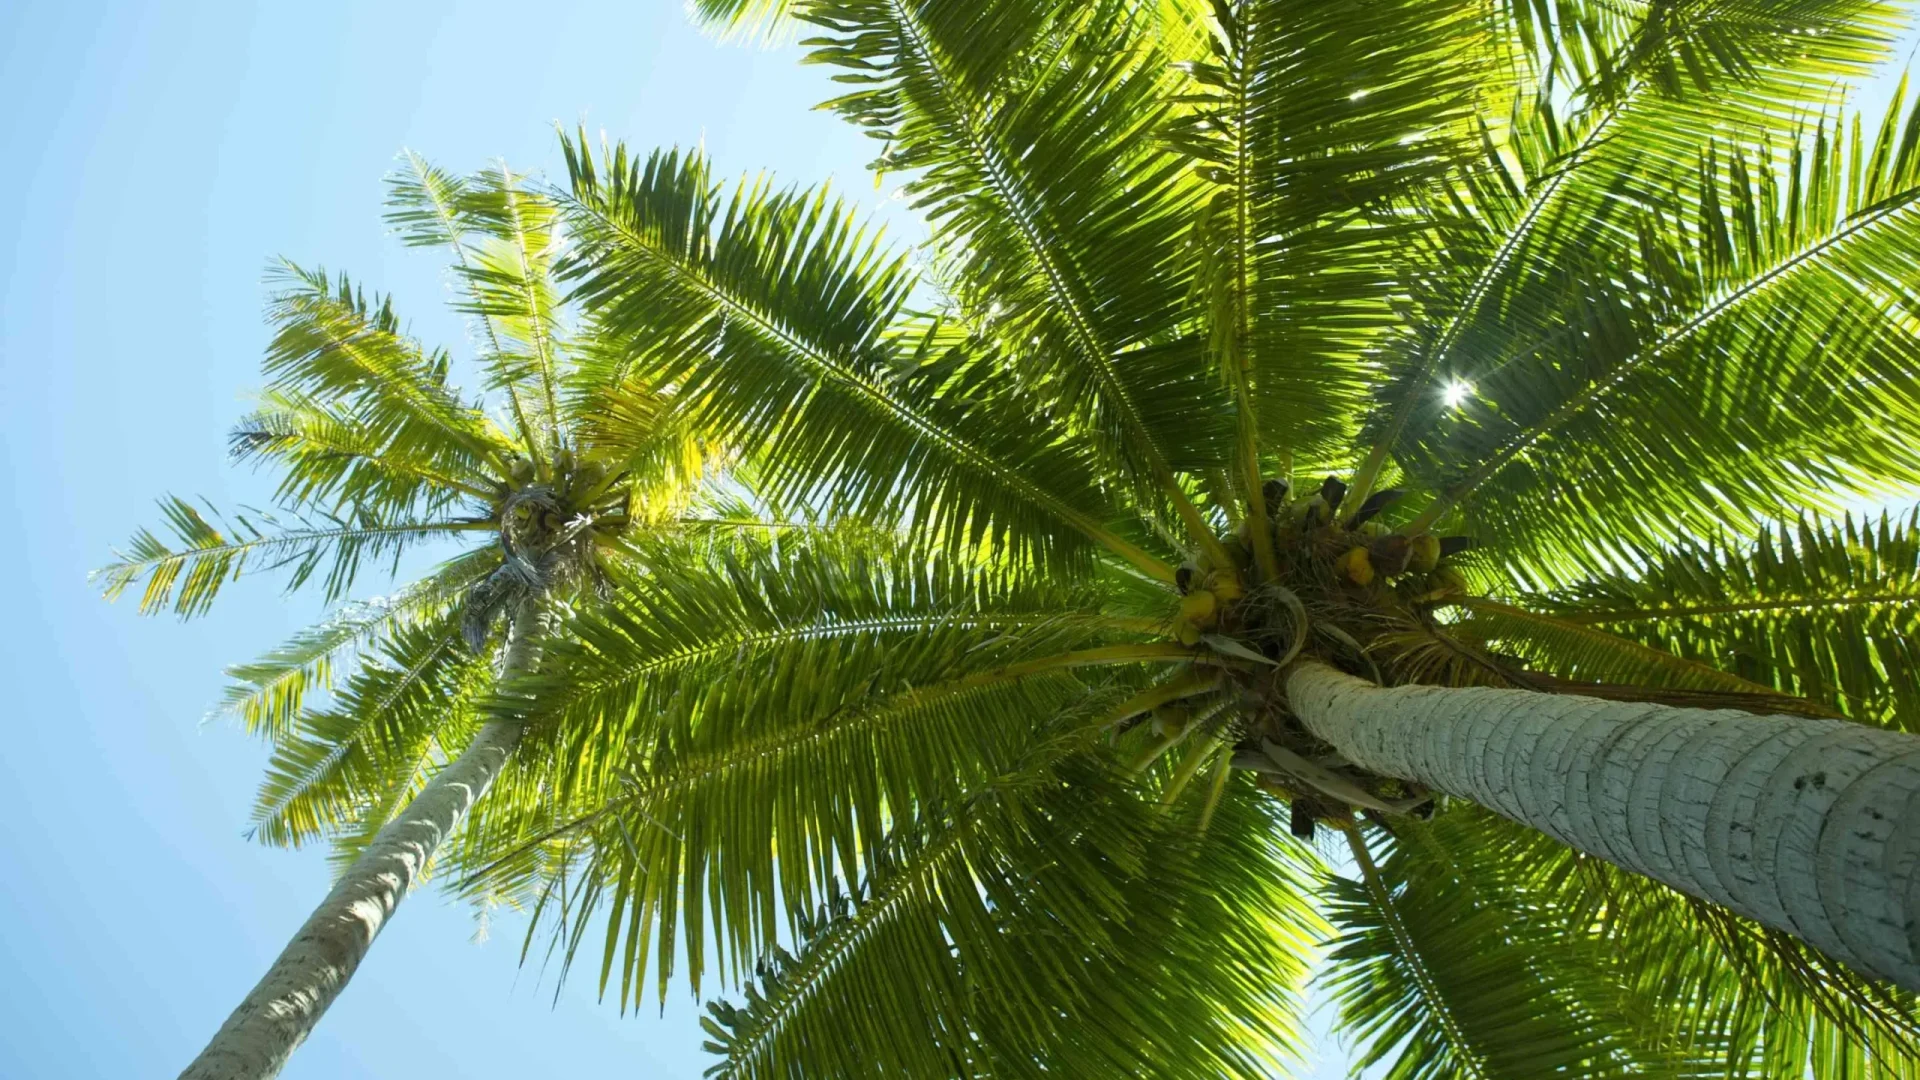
(379, 453)
(1597, 287)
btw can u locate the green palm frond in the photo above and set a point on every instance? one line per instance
(1316, 122)
(1701, 992)
(1030, 133)
(770, 311)
(1745, 253)
(428, 206)
(810, 622)
(1040, 929)
(510, 287)
(268, 694)
(211, 552)
(331, 342)
(1826, 610)
(767, 20)
(341, 765)
(332, 456)
(1579, 651)
(1439, 985)
(857, 677)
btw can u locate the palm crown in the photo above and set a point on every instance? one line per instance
(981, 756)
(378, 452)
(1597, 289)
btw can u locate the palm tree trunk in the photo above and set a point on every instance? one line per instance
(1808, 826)
(310, 972)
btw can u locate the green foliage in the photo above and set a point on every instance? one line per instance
(1827, 610)
(1181, 247)
(1605, 285)
(1516, 954)
(356, 761)
(985, 939)
(770, 310)
(378, 453)
(188, 577)
(1437, 982)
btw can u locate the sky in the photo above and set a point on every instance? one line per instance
(152, 159)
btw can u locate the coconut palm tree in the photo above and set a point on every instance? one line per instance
(379, 718)
(1372, 416)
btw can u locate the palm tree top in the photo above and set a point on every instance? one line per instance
(378, 452)
(1438, 342)
(1412, 337)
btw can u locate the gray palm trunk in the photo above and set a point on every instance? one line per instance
(1808, 826)
(310, 972)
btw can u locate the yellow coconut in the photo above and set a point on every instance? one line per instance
(1423, 553)
(1200, 608)
(1356, 566)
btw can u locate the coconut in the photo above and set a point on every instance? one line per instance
(1423, 553)
(1169, 720)
(1389, 554)
(1200, 608)
(1355, 566)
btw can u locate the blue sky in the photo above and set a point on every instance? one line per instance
(151, 161)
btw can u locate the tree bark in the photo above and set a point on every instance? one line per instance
(1809, 826)
(310, 972)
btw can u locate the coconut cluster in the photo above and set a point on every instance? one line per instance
(1344, 581)
(548, 528)
(1328, 562)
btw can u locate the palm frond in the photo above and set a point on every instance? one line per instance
(212, 553)
(427, 205)
(858, 677)
(342, 762)
(331, 342)
(1029, 132)
(1740, 256)
(510, 285)
(1438, 985)
(1701, 991)
(268, 694)
(1316, 122)
(1041, 929)
(770, 312)
(333, 457)
(1826, 610)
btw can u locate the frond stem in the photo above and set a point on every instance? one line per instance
(1599, 389)
(1410, 953)
(1403, 409)
(1025, 218)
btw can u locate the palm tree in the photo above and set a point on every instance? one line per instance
(1363, 415)
(379, 453)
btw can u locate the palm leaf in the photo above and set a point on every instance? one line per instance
(188, 577)
(330, 341)
(1826, 610)
(333, 457)
(769, 311)
(1440, 985)
(268, 694)
(1710, 993)
(368, 746)
(1029, 130)
(1739, 255)
(1040, 930)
